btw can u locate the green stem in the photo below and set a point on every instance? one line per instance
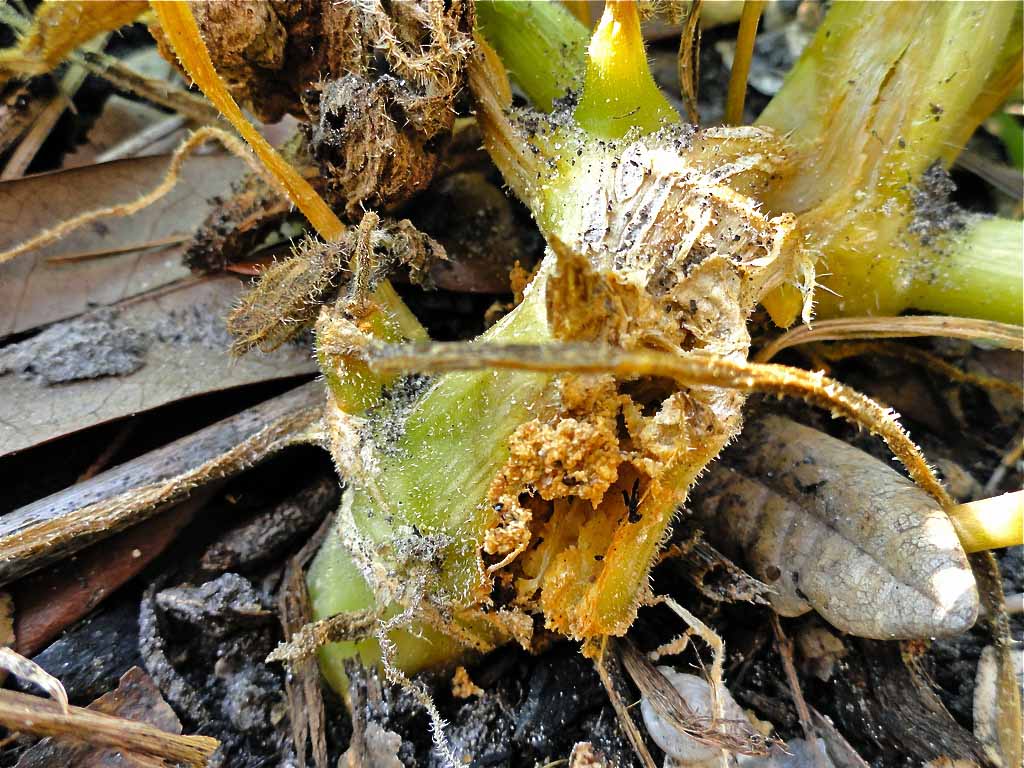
(977, 272)
(884, 91)
(433, 466)
(541, 44)
(620, 94)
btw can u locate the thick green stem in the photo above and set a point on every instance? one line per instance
(884, 92)
(976, 272)
(433, 464)
(541, 44)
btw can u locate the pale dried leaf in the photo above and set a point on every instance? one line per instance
(34, 292)
(832, 528)
(145, 353)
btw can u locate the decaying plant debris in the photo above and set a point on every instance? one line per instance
(559, 477)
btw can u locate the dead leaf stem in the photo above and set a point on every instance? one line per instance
(42, 717)
(851, 328)
(691, 369)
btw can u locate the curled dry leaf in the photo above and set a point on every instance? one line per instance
(834, 529)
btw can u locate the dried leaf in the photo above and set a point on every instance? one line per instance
(127, 359)
(34, 292)
(65, 522)
(832, 528)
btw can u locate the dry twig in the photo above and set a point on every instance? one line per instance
(41, 717)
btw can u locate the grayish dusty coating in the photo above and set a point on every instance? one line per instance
(107, 343)
(89, 347)
(197, 324)
(935, 214)
(832, 528)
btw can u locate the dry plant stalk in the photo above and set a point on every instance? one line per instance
(41, 717)
(696, 368)
(39, 533)
(850, 328)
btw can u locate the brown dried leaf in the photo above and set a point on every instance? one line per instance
(833, 528)
(34, 292)
(139, 355)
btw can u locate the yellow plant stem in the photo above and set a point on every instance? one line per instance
(745, 39)
(619, 92)
(990, 523)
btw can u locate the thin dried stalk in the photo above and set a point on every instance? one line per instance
(785, 647)
(689, 61)
(692, 369)
(187, 147)
(307, 641)
(160, 92)
(673, 708)
(302, 685)
(42, 717)
(39, 533)
(606, 658)
(745, 38)
(846, 328)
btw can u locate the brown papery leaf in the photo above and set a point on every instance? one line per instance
(34, 291)
(126, 359)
